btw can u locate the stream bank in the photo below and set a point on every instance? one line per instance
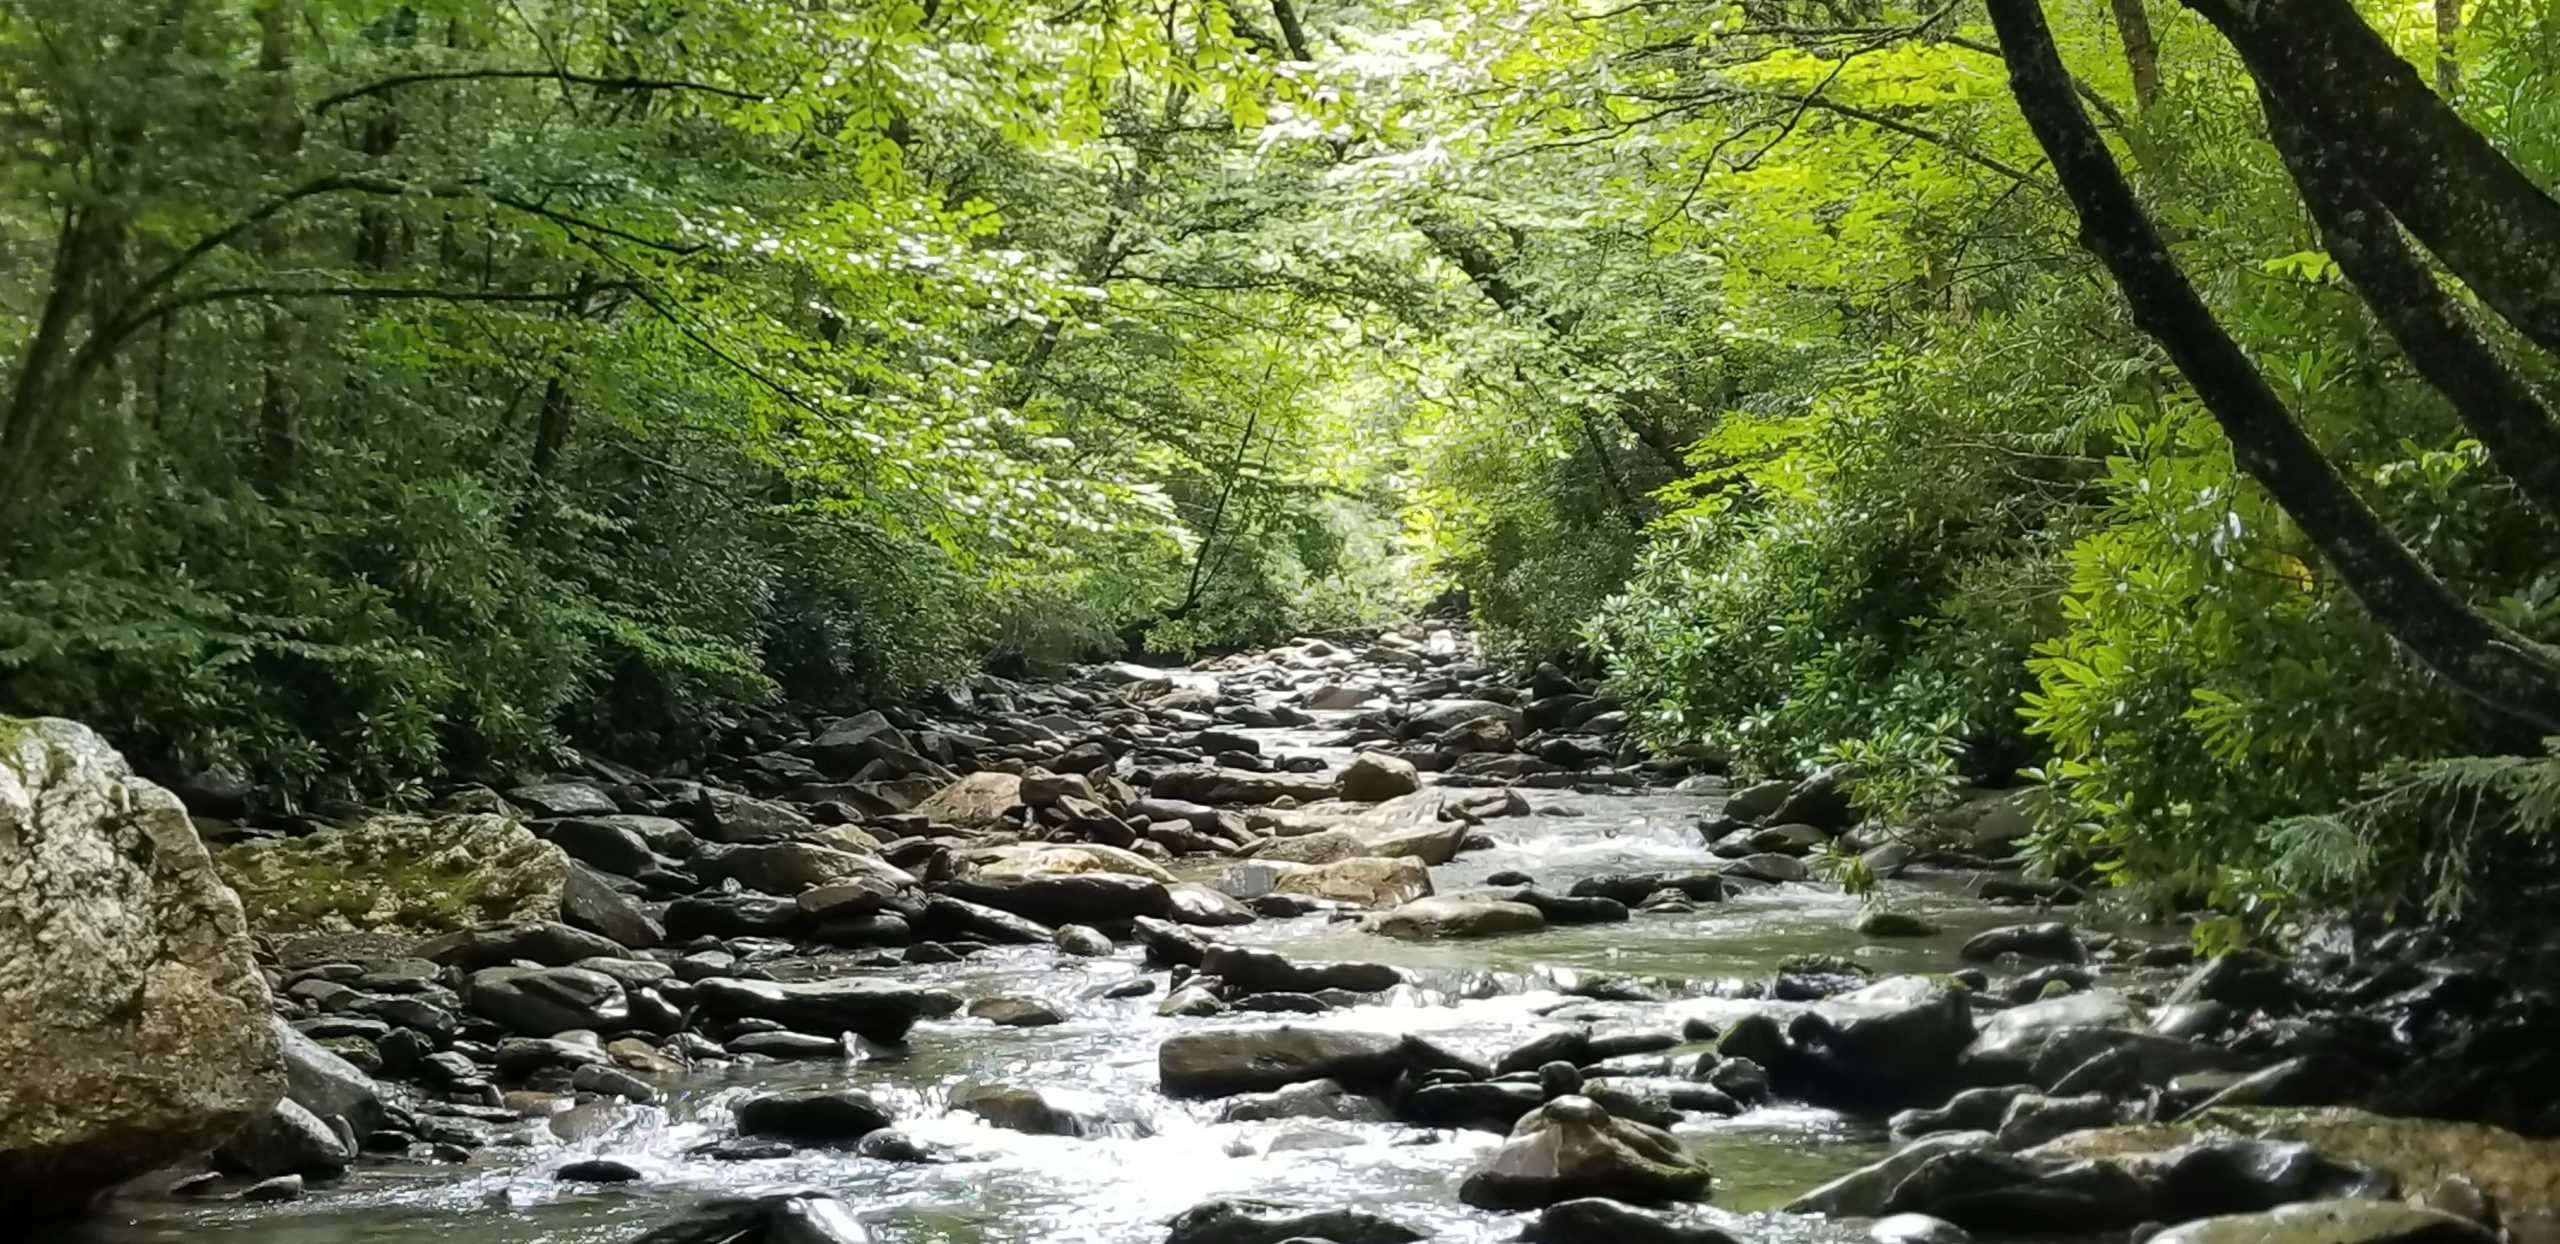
(1064, 962)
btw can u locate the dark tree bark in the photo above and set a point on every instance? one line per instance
(2489, 223)
(279, 407)
(2141, 52)
(2503, 669)
(2496, 402)
(1291, 29)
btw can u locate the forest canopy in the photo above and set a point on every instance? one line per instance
(401, 393)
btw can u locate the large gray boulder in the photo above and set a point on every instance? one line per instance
(134, 1027)
(399, 874)
(1571, 1148)
(1223, 1062)
(2332, 1222)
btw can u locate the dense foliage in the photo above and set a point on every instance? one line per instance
(404, 391)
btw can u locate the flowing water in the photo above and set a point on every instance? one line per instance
(1478, 996)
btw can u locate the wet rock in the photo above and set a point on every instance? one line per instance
(562, 799)
(1016, 1012)
(1592, 1219)
(880, 1011)
(2049, 940)
(734, 915)
(1996, 1193)
(948, 917)
(1895, 1041)
(605, 1081)
(1440, 716)
(1973, 1110)
(729, 817)
(1916, 1229)
(1886, 923)
(1372, 778)
(889, 1144)
(813, 1117)
(1066, 898)
(1216, 785)
(1558, 908)
(799, 1217)
(538, 1002)
(1866, 1192)
(326, 1084)
(1208, 908)
(2032, 1118)
(1050, 1111)
(2332, 1222)
(1083, 942)
(287, 1139)
(1451, 916)
(1314, 1099)
(1483, 1106)
(279, 1188)
(1817, 801)
(1227, 1061)
(598, 1171)
(1571, 1148)
(786, 1045)
(1375, 882)
(2013, 1042)
(1262, 971)
(603, 842)
(1262, 1222)
(1631, 889)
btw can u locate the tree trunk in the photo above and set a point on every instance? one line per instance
(2489, 223)
(2504, 669)
(2448, 29)
(277, 406)
(2141, 53)
(2496, 402)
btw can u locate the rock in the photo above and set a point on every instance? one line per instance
(1262, 971)
(2033, 1118)
(1490, 1106)
(798, 1217)
(876, 1010)
(562, 799)
(1373, 778)
(2049, 940)
(1050, 1112)
(1066, 898)
(1759, 800)
(1570, 1149)
(399, 874)
(602, 842)
(288, 1139)
(787, 1045)
(1632, 889)
(892, 1145)
(589, 902)
(1052, 859)
(1312, 1099)
(1884, 923)
(1216, 785)
(1996, 1193)
(1451, 916)
(1887, 1044)
(734, 915)
(948, 917)
(1016, 1012)
(546, 942)
(813, 1117)
(1223, 1062)
(787, 869)
(1369, 882)
(538, 1002)
(1973, 1110)
(1439, 716)
(134, 1026)
(2512, 1170)
(280, 1188)
(598, 1171)
(729, 817)
(1083, 942)
(1261, 1222)
(977, 801)
(1916, 1229)
(324, 1083)
(611, 1082)
(1817, 801)
(2013, 1042)
(1593, 1220)
(1866, 1192)
(2332, 1222)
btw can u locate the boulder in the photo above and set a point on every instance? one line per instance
(1890, 1043)
(286, 1140)
(2014, 1042)
(399, 874)
(1066, 898)
(2513, 1170)
(1373, 778)
(1866, 1191)
(326, 1084)
(1261, 1222)
(562, 799)
(2332, 1222)
(134, 1025)
(785, 869)
(977, 801)
(1440, 716)
(2048, 940)
(1050, 1111)
(1570, 1149)
(1215, 785)
(877, 1010)
(545, 942)
(1312, 1099)
(1056, 860)
(1454, 916)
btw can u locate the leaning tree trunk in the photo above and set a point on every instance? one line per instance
(2496, 402)
(2141, 51)
(2504, 669)
(2489, 223)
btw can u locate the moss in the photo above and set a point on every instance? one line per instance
(398, 874)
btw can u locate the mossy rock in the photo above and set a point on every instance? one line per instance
(2519, 1172)
(398, 874)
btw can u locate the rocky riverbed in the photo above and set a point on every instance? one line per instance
(1360, 941)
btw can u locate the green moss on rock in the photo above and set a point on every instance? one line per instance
(403, 874)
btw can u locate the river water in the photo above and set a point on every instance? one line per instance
(1477, 996)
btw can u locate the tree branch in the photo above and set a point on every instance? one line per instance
(601, 83)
